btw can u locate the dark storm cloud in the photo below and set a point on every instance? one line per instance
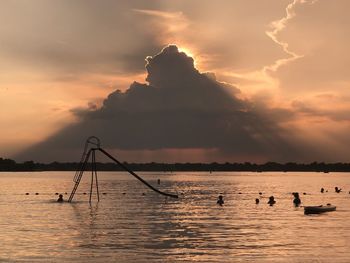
(178, 108)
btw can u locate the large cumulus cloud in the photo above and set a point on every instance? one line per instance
(179, 108)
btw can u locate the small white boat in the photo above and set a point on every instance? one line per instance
(319, 209)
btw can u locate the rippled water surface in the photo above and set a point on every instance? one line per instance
(133, 224)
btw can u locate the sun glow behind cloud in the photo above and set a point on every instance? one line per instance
(190, 53)
(173, 27)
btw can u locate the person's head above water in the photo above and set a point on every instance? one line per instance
(220, 200)
(271, 200)
(60, 198)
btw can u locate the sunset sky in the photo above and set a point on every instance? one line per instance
(176, 80)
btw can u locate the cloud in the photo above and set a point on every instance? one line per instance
(278, 26)
(83, 37)
(323, 41)
(179, 108)
(78, 51)
(325, 114)
(64, 54)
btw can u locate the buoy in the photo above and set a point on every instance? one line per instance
(56, 193)
(260, 193)
(104, 193)
(239, 193)
(27, 193)
(124, 193)
(84, 193)
(143, 194)
(36, 193)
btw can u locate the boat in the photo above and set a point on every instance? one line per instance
(319, 209)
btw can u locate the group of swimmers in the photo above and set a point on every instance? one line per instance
(336, 189)
(272, 201)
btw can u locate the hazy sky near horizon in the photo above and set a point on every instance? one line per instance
(283, 64)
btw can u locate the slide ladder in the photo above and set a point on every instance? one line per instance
(88, 151)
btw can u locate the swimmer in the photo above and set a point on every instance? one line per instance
(220, 200)
(271, 201)
(257, 200)
(296, 200)
(60, 198)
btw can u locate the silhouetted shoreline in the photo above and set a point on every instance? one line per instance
(7, 165)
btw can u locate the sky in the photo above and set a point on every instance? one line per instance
(176, 81)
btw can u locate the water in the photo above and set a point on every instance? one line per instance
(126, 226)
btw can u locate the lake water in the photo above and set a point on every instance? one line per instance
(127, 226)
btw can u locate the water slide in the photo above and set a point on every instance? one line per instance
(92, 145)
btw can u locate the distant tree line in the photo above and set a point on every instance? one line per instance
(11, 165)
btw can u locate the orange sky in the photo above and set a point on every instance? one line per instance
(60, 56)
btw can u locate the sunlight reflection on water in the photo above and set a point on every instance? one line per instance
(132, 227)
